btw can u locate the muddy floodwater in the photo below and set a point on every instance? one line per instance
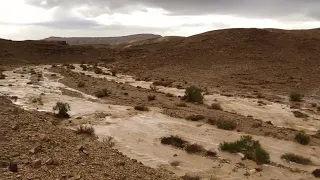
(137, 134)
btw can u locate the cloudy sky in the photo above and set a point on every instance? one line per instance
(36, 19)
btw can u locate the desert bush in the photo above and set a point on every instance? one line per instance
(62, 109)
(141, 108)
(191, 177)
(109, 141)
(98, 70)
(84, 67)
(162, 83)
(226, 125)
(151, 97)
(169, 95)
(81, 84)
(195, 117)
(181, 104)
(295, 97)
(296, 158)
(2, 76)
(216, 106)
(299, 114)
(175, 163)
(314, 104)
(37, 100)
(250, 148)
(102, 93)
(212, 121)
(211, 153)
(193, 94)
(113, 72)
(194, 148)
(85, 129)
(302, 138)
(175, 141)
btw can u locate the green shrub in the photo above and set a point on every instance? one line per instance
(193, 94)
(175, 141)
(62, 109)
(296, 158)
(249, 147)
(295, 97)
(226, 125)
(302, 138)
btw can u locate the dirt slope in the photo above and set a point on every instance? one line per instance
(44, 151)
(103, 40)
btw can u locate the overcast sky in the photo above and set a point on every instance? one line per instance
(36, 19)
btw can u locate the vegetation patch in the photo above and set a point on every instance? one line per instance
(109, 141)
(194, 148)
(216, 106)
(102, 93)
(250, 148)
(303, 138)
(151, 97)
(2, 76)
(85, 129)
(296, 97)
(193, 94)
(195, 117)
(175, 141)
(97, 70)
(62, 109)
(141, 108)
(81, 84)
(299, 114)
(226, 125)
(191, 177)
(296, 158)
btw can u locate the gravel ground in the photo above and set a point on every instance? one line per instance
(41, 150)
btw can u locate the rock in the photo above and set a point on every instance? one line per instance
(269, 122)
(80, 148)
(35, 149)
(247, 174)
(13, 167)
(121, 163)
(175, 155)
(85, 152)
(49, 162)
(36, 163)
(299, 114)
(15, 127)
(258, 169)
(316, 173)
(44, 138)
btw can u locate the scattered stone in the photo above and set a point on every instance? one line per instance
(247, 174)
(299, 114)
(13, 167)
(44, 138)
(316, 173)
(121, 163)
(80, 148)
(269, 122)
(35, 149)
(15, 127)
(175, 155)
(36, 163)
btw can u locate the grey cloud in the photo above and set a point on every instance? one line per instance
(247, 8)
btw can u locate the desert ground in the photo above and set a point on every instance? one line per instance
(225, 104)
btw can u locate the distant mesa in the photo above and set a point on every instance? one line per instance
(103, 40)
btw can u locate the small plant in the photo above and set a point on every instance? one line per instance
(151, 97)
(249, 147)
(302, 138)
(296, 97)
(216, 106)
(109, 141)
(84, 67)
(162, 83)
(193, 94)
(102, 93)
(190, 177)
(62, 109)
(194, 148)
(141, 108)
(169, 95)
(81, 84)
(296, 158)
(212, 121)
(226, 125)
(2, 76)
(195, 117)
(175, 163)
(181, 104)
(175, 141)
(85, 129)
(98, 70)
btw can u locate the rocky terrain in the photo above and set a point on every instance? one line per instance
(257, 83)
